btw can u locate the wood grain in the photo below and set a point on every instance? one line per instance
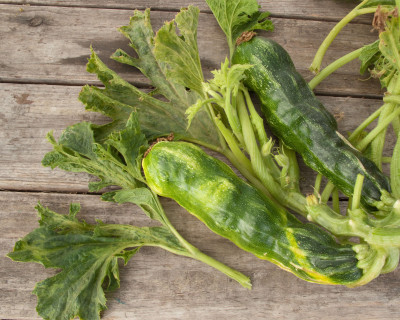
(159, 285)
(30, 111)
(311, 9)
(43, 52)
(36, 52)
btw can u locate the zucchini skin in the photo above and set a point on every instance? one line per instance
(300, 120)
(211, 191)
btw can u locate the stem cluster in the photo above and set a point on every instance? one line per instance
(274, 170)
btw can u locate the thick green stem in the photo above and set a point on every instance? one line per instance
(333, 67)
(293, 173)
(212, 115)
(195, 253)
(327, 192)
(355, 134)
(381, 126)
(232, 273)
(396, 125)
(317, 185)
(335, 200)
(230, 140)
(231, 114)
(357, 192)
(292, 200)
(258, 127)
(247, 174)
(316, 64)
(378, 143)
(395, 170)
(255, 118)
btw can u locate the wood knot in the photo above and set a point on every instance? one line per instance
(35, 22)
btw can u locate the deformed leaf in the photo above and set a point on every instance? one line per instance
(162, 118)
(131, 143)
(389, 44)
(116, 161)
(157, 117)
(145, 199)
(369, 55)
(193, 110)
(87, 256)
(120, 98)
(181, 53)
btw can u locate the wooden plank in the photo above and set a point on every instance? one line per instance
(37, 53)
(160, 285)
(28, 112)
(332, 10)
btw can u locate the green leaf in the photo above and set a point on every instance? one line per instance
(119, 99)
(156, 116)
(116, 161)
(144, 198)
(389, 44)
(386, 64)
(236, 17)
(181, 53)
(131, 143)
(141, 36)
(369, 55)
(87, 255)
(193, 110)
(223, 89)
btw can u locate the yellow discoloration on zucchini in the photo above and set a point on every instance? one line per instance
(212, 192)
(303, 263)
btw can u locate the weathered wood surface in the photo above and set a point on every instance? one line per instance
(43, 50)
(311, 9)
(158, 285)
(53, 107)
(33, 35)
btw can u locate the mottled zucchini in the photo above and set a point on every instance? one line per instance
(300, 120)
(211, 191)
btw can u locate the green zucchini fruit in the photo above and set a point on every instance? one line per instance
(300, 120)
(211, 191)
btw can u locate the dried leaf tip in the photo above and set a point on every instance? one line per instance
(170, 137)
(380, 17)
(245, 36)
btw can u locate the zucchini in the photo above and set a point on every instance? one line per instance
(211, 191)
(300, 120)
